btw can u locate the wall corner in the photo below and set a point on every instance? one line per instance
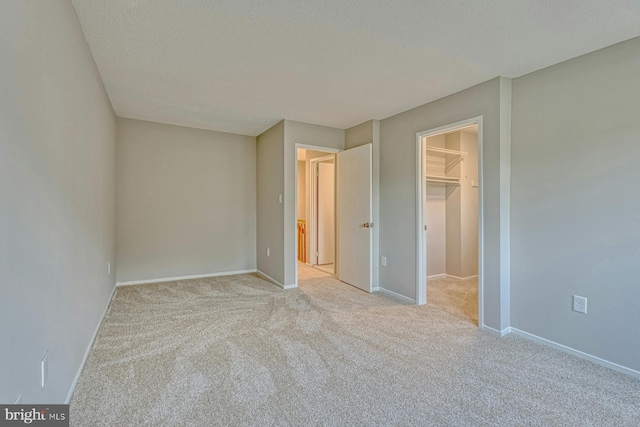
(505, 202)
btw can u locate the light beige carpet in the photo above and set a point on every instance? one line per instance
(240, 351)
(458, 297)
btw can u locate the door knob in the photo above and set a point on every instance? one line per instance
(368, 225)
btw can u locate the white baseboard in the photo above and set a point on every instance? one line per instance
(88, 350)
(449, 276)
(173, 279)
(396, 295)
(578, 353)
(274, 281)
(496, 332)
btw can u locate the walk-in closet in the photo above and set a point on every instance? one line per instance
(451, 220)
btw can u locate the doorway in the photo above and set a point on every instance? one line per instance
(349, 246)
(324, 212)
(316, 209)
(449, 200)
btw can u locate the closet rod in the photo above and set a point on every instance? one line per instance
(442, 177)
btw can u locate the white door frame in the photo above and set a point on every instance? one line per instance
(421, 249)
(295, 193)
(313, 197)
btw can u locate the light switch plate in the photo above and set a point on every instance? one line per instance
(44, 369)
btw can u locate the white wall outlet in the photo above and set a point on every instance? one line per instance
(580, 304)
(108, 268)
(383, 261)
(268, 252)
(44, 369)
(280, 198)
(18, 400)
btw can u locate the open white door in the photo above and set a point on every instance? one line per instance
(354, 207)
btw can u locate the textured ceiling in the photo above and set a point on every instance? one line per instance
(242, 65)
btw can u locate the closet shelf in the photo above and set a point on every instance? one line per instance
(443, 179)
(445, 151)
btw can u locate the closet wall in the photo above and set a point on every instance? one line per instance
(301, 210)
(435, 212)
(451, 209)
(469, 206)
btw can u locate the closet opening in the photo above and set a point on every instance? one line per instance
(316, 209)
(450, 219)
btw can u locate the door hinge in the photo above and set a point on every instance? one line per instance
(425, 228)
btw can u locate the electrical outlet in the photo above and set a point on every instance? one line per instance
(384, 261)
(268, 252)
(580, 304)
(18, 400)
(44, 369)
(108, 268)
(279, 198)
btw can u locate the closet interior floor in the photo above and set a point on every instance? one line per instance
(455, 296)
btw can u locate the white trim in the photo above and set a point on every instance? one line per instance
(496, 332)
(578, 353)
(173, 279)
(396, 295)
(449, 276)
(274, 281)
(88, 350)
(421, 267)
(481, 221)
(328, 158)
(317, 148)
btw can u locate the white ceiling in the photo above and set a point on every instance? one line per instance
(242, 65)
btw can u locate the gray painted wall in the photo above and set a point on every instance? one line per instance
(575, 204)
(299, 133)
(369, 133)
(57, 203)
(398, 173)
(270, 213)
(359, 135)
(186, 201)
